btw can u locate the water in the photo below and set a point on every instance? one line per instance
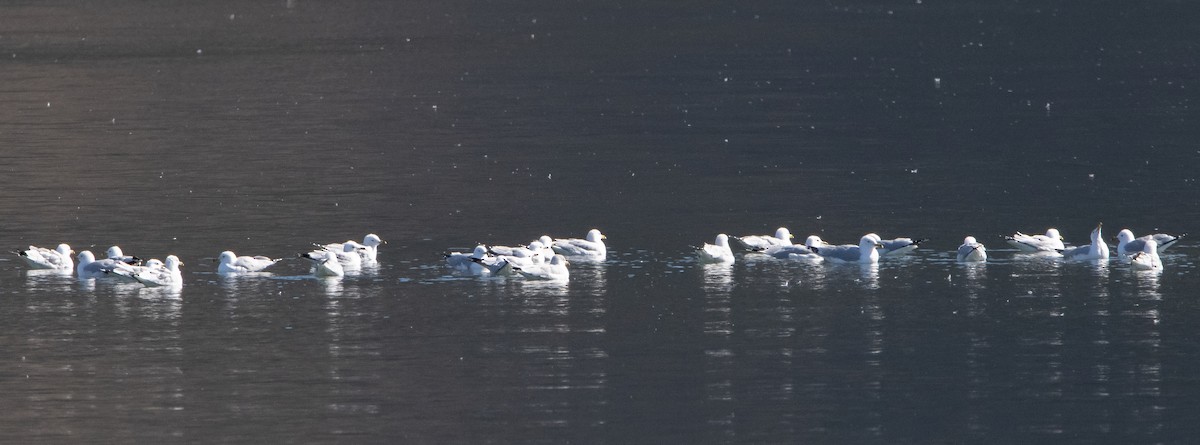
(190, 129)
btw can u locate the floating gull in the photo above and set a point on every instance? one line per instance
(157, 274)
(865, 252)
(231, 264)
(43, 258)
(1097, 250)
(1148, 258)
(815, 241)
(592, 248)
(971, 251)
(1127, 244)
(536, 251)
(716, 253)
(115, 253)
(805, 252)
(1050, 242)
(555, 270)
(347, 254)
(478, 262)
(367, 250)
(90, 267)
(759, 243)
(325, 263)
(898, 246)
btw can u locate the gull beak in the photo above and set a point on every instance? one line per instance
(878, 246)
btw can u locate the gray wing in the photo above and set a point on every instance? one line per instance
(1164, 241)
(849, 254)
(965, 250)
(786, 252)
(1076, 252)
(900, 246)
(1136, 245)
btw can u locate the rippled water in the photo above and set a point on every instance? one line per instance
(189, 129)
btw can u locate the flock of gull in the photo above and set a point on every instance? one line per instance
(1140, 252)
(328, 260)
(548, 258)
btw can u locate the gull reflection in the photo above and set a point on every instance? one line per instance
(718, 277)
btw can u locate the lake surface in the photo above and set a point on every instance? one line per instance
(188, 129)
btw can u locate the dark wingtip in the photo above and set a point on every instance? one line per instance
(918, 241)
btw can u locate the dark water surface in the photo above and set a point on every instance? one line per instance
(189, 128)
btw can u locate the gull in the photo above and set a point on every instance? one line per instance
(802, 252)
(716, 253)
(231, 264)
(157, 273)
(555, 270)
(899, 246)
(592, 248)
(368, 249)
(1148, 258)
(535, 254)
(478, 262)
(538, 250)
(865, 252)
(1097, 250)
(971, 251)
(1050, 242)
(90, 267)
(759, 243)
(1128, 245)
(325, 263)
(115, 253)
(43, 258)
(347, 254)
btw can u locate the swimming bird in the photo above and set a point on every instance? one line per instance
(158, 274)
(1148, 258)
(324, 263)
(43, 258)
(759, 243)
(537, 250)
(347, 254)
(865, 252)
(1097, 250)
(231, 264)
(716, 253)
(1050, 242)
(591, 248)
(367, 250)
(1128, 245)
(521, 257)
(90, 267)
(555, 269)
(799, 252)
(115, 253)
(971, 251)
(899, 246)
(479, 262)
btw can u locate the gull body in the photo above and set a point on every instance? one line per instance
(1050, 242)
(971, 251)
(1097, 250)
(43, 258)
(1148, 258)
(1128, 245)
(591, 248)
(760, 243)
(231, 264)
(718, 252)
(867, 251)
